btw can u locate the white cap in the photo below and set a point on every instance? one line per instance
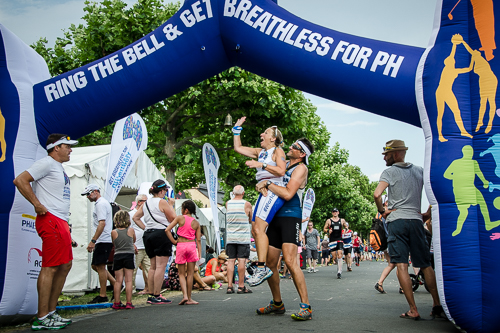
(355, 233)
(90, 188)
(65, 139)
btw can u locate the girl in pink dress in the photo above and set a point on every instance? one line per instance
(188, 247)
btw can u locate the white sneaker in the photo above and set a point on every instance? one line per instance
(261, 275)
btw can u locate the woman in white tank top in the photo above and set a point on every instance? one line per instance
(271, 165)
(157, 214)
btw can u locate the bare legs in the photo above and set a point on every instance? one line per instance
(289, 255)
(157, 274)
(186, 282)
(104, 276)
(49, 285)
(120, 275)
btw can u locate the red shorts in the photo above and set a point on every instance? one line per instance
(56, 240)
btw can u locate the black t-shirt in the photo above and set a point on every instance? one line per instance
(336, 228)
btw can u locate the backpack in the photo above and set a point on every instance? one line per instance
(378, 238)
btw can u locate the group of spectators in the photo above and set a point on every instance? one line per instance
(144, 237)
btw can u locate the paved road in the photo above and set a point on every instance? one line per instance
(349, 305)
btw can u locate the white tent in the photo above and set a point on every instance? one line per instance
(89, 165)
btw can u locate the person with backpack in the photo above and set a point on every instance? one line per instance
(403, 182)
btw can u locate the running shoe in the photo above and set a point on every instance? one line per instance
(349, 269)
(48, 323)
(151, 299)
(271, 308)
(339, 276)
(304, 313)
(99, 299)
(163, 300)
(129, 306)
(118, 306)
(261, 275)
(57, 317)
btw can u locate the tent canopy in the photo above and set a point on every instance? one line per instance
(89, 165)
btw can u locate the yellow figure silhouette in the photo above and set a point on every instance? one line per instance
(488, 84)
(484, 19)
(444, 92)
(3, 143)
(463, 172)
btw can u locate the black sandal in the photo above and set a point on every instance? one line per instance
(380, 289)
(244, 290)
(230, 290)
(437, 311)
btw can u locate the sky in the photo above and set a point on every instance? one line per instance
(363, 134)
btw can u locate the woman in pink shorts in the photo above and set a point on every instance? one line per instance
(188, 251)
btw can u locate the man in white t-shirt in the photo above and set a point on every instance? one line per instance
(141, 258)
(101, 243)
(50, 197)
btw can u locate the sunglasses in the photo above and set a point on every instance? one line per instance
(297, 147)
(141, 201)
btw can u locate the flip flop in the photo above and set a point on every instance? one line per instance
(407, 316)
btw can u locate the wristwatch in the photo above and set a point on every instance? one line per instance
(93, 241)
(264, 165)
(382, 212)
(268, 183)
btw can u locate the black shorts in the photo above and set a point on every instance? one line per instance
(238, 251)
(408, 236)
(157, 243)
(325, 253)
(312, 254)
(283, 229)
(101, 253)
(356, 250)
(123, 260)
(347, 250)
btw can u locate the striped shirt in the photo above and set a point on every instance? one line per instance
(237, 223)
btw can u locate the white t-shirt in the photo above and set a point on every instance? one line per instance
(103, 211)
(51, 186)
(138, 231)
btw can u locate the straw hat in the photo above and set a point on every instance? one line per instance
(394, 145)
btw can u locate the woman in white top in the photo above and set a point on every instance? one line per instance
(270, 165)
(158, 213)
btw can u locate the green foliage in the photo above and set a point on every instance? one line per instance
(179, 125)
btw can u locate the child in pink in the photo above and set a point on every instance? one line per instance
(188, 247)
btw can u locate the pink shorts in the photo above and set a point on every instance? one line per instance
(186, 252)
(56, 240)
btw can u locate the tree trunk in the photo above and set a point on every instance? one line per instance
(169, 150)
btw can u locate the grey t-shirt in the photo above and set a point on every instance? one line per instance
(311, 239)
(405, 190)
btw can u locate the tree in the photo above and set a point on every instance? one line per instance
(179, 125)
(342, 186)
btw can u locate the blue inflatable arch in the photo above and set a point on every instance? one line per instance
(448, 89)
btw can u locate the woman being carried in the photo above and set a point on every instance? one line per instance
(188, 247)
(270, 165)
